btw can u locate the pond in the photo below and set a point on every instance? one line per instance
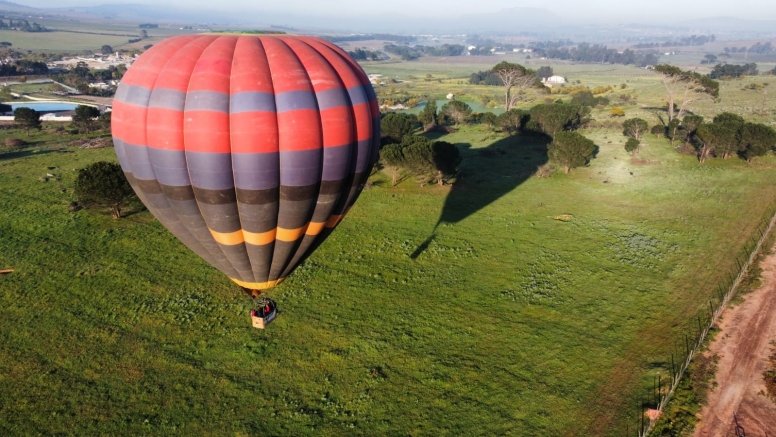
(45, 107)
(476, 107)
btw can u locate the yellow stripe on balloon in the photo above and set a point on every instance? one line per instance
(257, 285)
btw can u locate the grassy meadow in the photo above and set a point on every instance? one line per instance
(504, 304)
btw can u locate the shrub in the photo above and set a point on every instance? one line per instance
(103, 184)
(13, 142)
(617, 112)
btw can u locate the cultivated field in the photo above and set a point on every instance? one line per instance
(507, 321)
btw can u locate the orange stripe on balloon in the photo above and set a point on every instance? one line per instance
(289, 235)
(260, 238)
(315, 228)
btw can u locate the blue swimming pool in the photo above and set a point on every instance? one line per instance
(45, 107)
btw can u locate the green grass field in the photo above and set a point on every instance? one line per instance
(500, 321)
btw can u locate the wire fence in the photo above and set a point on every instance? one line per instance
(650, 409)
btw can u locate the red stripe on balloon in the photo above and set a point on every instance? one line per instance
(255, 131)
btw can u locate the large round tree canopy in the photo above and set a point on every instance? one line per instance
(249, 149)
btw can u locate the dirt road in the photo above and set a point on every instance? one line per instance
(743, 347)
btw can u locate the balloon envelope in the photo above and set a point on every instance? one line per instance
(249, 149)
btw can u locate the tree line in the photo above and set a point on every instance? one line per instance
(22, 26)
(693, 40)
(408, 53)
(598, 53)
(369, 37)
(725, 136)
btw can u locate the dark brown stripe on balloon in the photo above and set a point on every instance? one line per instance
(258, 197)
(293, 194)
(181, 193)
(215, 197)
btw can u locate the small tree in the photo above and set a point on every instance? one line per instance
(457, 111)
(690, 124)
(446, 159)
(729, 128)
(632, 146)
(552, 118)
(658, 130)
(634, 128)
(85, 117)
(428, 116)
(5, 94)
(489, 119)
(757, 139)
(106, 50)
(708, 137)
(571, 150)
(27, 118)
(512, 121)
(393, 158)
(544, 72)
(103, 184)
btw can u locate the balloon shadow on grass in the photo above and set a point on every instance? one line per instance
(486, 174)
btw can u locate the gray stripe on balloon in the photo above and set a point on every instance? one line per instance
(300, 168)
(210, 171)
(295, 100)
(213, 101)
(168, 99)
(256, 171)
(133, 95)
(138, 159)
(170, 166)
(252, 101)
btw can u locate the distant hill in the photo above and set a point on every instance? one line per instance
(6, 6)
(730, 24)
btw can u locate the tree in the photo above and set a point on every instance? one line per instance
(690, 124)
(544, 72)
(489, 119)
(635, 128)
(144, 34)
(395, 126)
(422, 157)
(553, 117)
(673, 130)
(571, 150)
(513, 76)
(658, 130)
(757, 139)
(85, 117)
(512, 121)
(103, 184)
(446, 159)
(457, 111)
(5, 94)
(106, 50)
(632, 146)
(428, 116)
(687, 85)
(708, 135)
(729, 134)
(392, 157)
(27, 118)
(5, 108)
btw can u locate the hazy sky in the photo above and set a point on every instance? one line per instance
(619, 10)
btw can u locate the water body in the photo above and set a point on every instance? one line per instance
(476, 107)
(45, 107)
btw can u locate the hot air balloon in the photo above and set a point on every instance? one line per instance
(250, 149)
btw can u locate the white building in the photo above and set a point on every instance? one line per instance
(552, 80)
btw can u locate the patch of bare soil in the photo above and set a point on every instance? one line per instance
(744, 348)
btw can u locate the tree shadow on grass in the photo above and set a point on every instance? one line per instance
(486, 174)
(24, 153)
